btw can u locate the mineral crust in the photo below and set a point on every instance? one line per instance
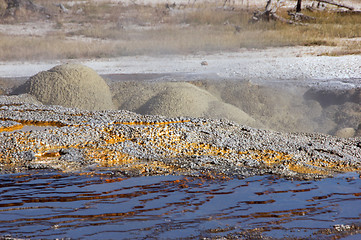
(35, 136)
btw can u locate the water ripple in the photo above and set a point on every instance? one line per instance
(93, 206)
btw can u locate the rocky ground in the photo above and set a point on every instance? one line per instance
(130, 144)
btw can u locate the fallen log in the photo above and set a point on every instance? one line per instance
(270, 14)
(282, 19)
(337, 4)
(266, 15)
(297, 16)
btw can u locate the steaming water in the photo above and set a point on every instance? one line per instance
(101, 206)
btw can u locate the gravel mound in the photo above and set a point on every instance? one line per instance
(179, 99)
(69, 85)
(175, 99)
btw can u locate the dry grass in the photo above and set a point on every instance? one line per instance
(118, 30)
(19, 48)
(352, 47)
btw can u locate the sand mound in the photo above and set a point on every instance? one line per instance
(134, 94)
(179, 99)
(219, 110)
(286, 109)
(345, 133)
(70, 85)
(276, 108)
(174, 99)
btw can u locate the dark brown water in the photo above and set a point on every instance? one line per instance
(99, 206)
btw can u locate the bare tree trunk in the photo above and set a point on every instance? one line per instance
(298, 7)
(268, 6)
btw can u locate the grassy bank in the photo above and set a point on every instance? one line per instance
(110, 30)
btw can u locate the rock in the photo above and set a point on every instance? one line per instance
(69, 85)
(345, 132)
(71, 154)
(27, 155)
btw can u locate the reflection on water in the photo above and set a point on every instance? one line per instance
(53, 205)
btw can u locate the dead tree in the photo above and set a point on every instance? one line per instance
(230, 2)
(344, 7)
(299, 3)
(296, 16)
(265, 15)
(337, 4)
(14, 5)
(298, 6)
(269, 14)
